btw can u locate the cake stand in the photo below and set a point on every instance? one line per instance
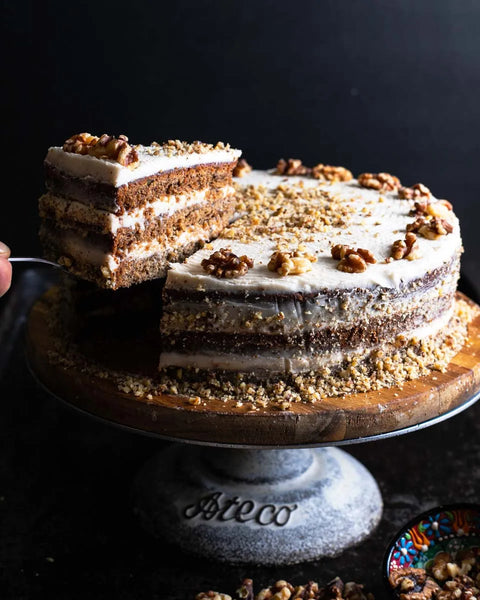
(252, 486)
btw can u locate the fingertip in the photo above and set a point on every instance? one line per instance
(5, 275)
(4, 250)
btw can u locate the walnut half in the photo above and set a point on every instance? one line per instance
(430, 228)
(291, 263)
(406, 249)
(352, 260)
(383, 182)
(225, 264)
(292, 166)
(416, 191)
(330, 173)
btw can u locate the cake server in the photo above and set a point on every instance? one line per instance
(36, 260)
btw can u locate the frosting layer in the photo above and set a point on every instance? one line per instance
(152, 160)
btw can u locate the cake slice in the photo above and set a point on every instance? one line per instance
(116, 214)
(350, 282)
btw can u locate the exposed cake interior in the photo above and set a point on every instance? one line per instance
(117, 214)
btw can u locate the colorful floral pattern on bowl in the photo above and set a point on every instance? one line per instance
(442, 529)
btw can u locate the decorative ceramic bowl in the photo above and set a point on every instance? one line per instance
(447, 528)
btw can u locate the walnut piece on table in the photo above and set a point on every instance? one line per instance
(283, 590)
(459, 588)
(446, 578)
(413, 584)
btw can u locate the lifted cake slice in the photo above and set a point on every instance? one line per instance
(117, 214)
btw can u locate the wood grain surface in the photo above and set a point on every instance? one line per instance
(341, 418)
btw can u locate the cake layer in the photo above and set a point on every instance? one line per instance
(123, 259)
(138, 193)
(368, 332)
(150, 221)
(287, 314)
(229, 355)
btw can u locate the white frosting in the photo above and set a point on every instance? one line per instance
(150, 163)
(84, 251)
(162, 206)
(374, 225)
(291, 361)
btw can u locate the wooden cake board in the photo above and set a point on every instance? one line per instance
(268, 496)
(333, 420)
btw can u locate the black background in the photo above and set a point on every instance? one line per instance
(374, 85)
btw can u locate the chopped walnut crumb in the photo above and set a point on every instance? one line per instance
(413, 584)
(177, 147)
(245, 591)
(283, 590)
(416, 191)
(292, 166)
(241, 168)
(330, 173)
(225, 264)
(80, 143)
(379, 181)
(446, 579)
(407, 248)
(65, 261)
(459, 588)
(211, 595)
(291, 263)
(287, 211)
(443, 567)
(105, 147)
(468, 559)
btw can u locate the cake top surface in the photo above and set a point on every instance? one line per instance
(114, 161)
(306, 217)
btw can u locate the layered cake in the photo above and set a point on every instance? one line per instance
(324, 284)
(117, 214)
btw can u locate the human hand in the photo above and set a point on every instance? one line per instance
(5, 269)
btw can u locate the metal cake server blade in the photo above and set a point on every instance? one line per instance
(42, 261)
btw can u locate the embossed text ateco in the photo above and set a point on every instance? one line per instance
(220, 507)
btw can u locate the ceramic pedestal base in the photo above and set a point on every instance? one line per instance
(270, 507)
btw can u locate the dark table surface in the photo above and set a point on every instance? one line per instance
(66, 525)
